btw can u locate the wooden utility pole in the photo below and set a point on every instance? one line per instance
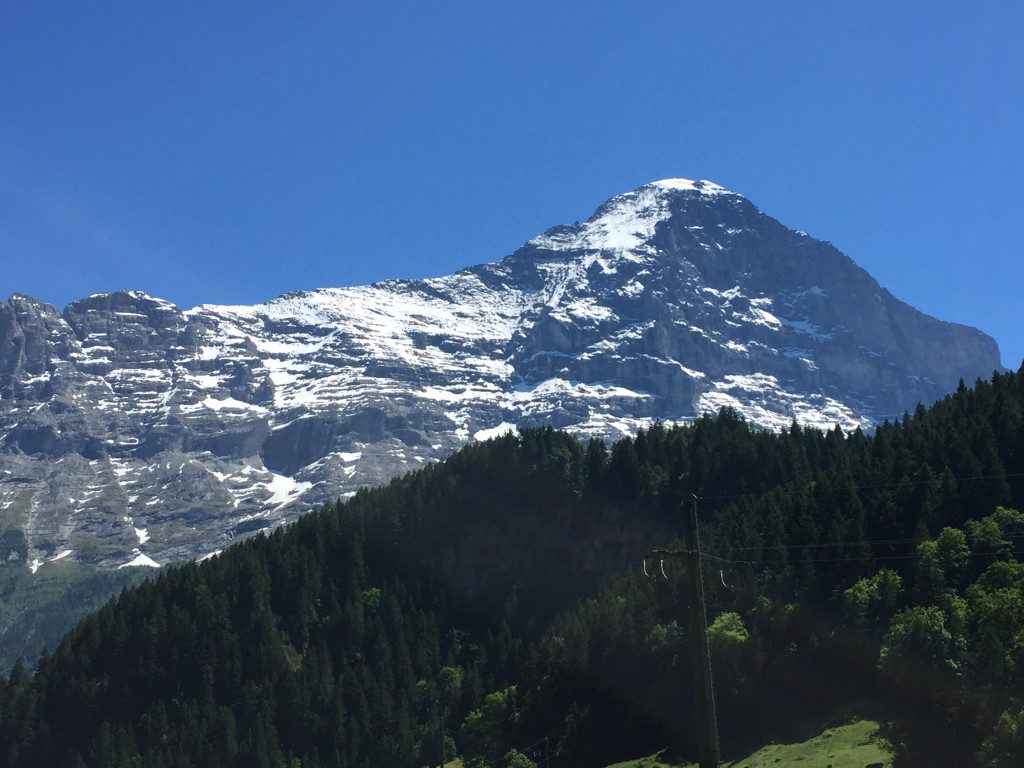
(704, 692)
(441, 729)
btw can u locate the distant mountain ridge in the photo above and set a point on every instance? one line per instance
(132, 432)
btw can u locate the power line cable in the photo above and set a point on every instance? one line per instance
(840, 544)
(856, 486)
(849, 559)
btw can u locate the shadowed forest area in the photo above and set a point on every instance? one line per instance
(496, 600)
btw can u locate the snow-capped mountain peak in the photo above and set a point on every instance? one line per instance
(125, 414)
(627, 221)
(703, 186)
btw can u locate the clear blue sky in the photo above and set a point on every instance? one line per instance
(229, 152)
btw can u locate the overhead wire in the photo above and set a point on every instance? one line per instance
(851, 559)
(840, 544)
(813, 488)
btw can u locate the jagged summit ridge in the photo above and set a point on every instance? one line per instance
(628, 221)
(702, 186)
(124, 414)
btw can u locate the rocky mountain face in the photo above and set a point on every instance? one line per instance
(132, 432)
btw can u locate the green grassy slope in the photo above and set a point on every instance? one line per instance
(849, 746)
(37, 610)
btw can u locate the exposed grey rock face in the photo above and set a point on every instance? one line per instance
(134, 432)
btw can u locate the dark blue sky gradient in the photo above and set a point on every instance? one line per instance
(229, 152)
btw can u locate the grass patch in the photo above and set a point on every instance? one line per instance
(855, 745)
(37, 610)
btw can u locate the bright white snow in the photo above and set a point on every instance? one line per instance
(141, 560)
(284, 489)
(502, 429)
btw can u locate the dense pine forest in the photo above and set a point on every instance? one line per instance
(496, 601)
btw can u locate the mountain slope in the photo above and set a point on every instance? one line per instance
(498, 597)
(853, 745)
(134, 432)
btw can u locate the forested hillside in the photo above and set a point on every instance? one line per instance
(496, 600)
(38, 609)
